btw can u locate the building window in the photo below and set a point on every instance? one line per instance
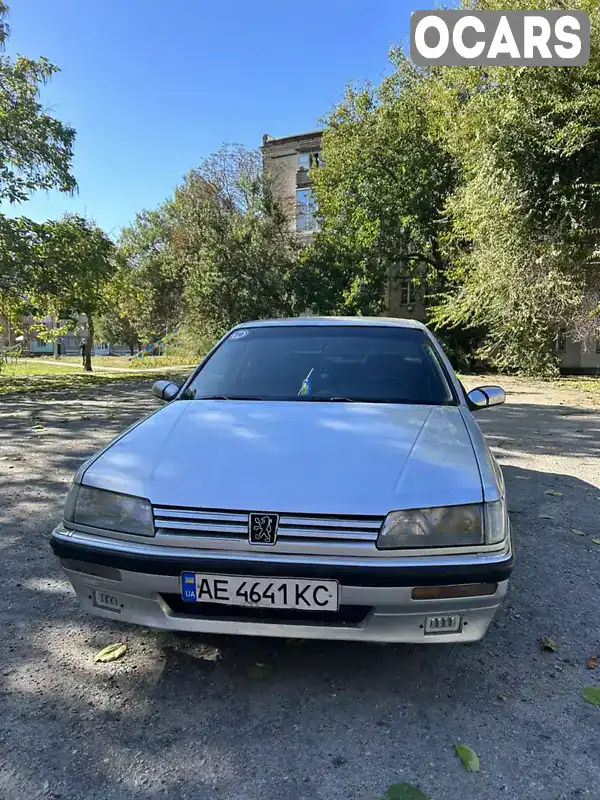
(306, 210)
(561, 341)
(307, 161)
(406, 291)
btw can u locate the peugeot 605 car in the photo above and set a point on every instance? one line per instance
(316, 477)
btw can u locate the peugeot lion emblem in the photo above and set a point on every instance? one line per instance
(262, 528)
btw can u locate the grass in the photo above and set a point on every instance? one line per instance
(127, 362)
(581, 383)
(22, 369)
(97, 361)
(18, 379)
(174, 360)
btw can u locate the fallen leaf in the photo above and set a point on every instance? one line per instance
(38, 428)
(577, 532)
(111, 653)
(592, 694)
(260, 670)
(592, 662)
(553, 493)
(469, 758)
(548, 643)
(404, 791)
(595, 541)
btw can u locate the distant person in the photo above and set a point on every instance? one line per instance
(82, 345)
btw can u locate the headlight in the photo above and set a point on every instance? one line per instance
(99, 508)
(433, 527)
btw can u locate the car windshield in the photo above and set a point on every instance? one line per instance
(343, 363)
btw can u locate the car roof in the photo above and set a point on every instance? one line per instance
(347, 321)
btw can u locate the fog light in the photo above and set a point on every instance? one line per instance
(452, 623)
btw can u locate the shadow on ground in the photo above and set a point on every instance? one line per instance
(195, 717)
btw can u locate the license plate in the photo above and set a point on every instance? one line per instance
(241, 590)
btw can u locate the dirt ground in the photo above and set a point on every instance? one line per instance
(194, 717)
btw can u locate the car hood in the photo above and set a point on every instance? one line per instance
(299, 457)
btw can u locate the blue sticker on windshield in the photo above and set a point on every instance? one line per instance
(238, 334)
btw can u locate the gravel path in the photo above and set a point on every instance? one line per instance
(187, 717)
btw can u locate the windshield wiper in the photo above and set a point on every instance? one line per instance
(308, 399)
(227, 397)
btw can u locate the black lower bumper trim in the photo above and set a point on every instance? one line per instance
(376, 575)
(346, 614)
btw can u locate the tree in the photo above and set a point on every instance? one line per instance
(17, 260)
(525, 216)
(73, 263)
(232, 244)
(381, 190)
(147, 288)
(485, 184)
(35, 148)
(114, 328)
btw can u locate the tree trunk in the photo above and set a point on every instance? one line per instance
(89, 344)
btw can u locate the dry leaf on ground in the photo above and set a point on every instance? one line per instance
(404, 791)
(548, 643)
(592, 694)
(111, 653)
(469, 758)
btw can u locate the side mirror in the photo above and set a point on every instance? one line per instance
(486, 396)
(165, 390)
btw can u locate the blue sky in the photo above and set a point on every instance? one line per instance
(152, 87)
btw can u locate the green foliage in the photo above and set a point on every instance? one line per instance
(72, 263)
(17, 240)
(230, 241)
(526, 212)
(381, 190)
(147, 288)
(35, 149)
(485, 183)
(112, 328)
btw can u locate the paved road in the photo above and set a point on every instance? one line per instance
(186, 717)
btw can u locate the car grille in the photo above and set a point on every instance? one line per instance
(346, 614)
(293, 528)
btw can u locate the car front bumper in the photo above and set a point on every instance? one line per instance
(141, 585)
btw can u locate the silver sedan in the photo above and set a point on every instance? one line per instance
(318, 478)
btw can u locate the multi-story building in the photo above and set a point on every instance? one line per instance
(289, 160)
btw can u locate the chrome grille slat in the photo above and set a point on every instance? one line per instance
(300, 528)
(184, 513)
(200, 527)
(316, 533)
(325, 522)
